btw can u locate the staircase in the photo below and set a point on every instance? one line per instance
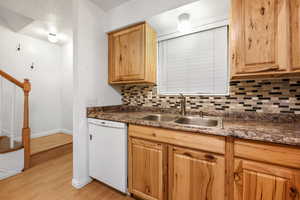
(6, 145)
(50, 147)
(8, 141)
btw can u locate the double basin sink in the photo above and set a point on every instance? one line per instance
(185, 120)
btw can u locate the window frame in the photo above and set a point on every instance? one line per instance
(206, 27)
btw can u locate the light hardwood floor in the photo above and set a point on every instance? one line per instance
(46, 143)
(51, 180)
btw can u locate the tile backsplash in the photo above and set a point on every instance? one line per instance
(261, 96)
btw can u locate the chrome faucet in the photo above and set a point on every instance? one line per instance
(182, 105)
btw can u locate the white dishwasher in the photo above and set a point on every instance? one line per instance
(108, 153)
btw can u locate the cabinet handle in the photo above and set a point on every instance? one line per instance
(188, 154)
(121, 58)
(236, 176)
(147, 190)
(293, 192)
(262, 69)
(91, 137)
(209, 157)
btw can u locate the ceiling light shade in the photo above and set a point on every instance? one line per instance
(52, 37)
(184, 23)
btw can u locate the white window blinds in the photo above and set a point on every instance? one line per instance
(195, 63)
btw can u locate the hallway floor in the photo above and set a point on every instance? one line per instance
(51, 180)
(46, 143)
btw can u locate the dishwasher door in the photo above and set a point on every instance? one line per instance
(108, 153)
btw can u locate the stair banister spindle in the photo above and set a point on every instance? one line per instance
(12, 120)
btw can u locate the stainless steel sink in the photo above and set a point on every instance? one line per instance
(186, 120)
(159, 117)
(199, 121)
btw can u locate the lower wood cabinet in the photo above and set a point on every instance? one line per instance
(192, 174)
(175, 165)
(195, 175)
(255, 181)
(147, 162)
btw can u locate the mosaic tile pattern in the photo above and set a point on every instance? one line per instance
(261, 96)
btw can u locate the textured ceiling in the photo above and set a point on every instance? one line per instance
(109, 4)
(37, 17)
(200, 12)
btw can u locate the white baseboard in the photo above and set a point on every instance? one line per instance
(81, 183)
(66, 131)
(45, 133)
(4, 175)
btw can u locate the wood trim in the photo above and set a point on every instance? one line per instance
(128, 30)
(129, 165)
(126, 27)
(11, 79)
(165, 171)
(214, 144)
(229, 168)
(265, 75)
(262, 69)
(170, 172)
(282, 155)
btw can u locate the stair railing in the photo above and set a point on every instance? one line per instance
(26, 87)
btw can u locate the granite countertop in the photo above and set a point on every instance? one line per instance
(281, 129)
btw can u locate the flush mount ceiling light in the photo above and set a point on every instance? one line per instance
(52, 37)
(184, 23)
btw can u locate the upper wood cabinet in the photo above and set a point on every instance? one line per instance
(133, 55)
(195, 175)
(295, 33)
(254, 180)
(265, 37)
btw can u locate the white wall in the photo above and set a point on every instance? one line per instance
(90, 79)
(67, 87)
(90, 65)
(45, 98)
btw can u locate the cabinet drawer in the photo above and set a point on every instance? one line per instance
(270, 153)
(198, 141)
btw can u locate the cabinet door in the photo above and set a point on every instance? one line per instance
(147, 169)
(258, 181)
(195, 175)
(128, 54)
(260, 39)
(295, 33)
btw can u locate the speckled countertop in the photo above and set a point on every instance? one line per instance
(275, 128)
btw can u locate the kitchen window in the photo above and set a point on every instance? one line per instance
(194, 64)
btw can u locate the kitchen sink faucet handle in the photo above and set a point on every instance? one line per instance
(182, 104)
